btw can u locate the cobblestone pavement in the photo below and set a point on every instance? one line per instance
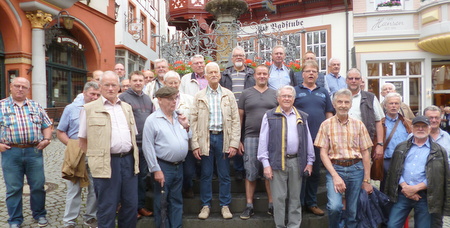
(56, 192)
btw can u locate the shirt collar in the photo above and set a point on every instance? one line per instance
(106, 101)
(211, 91)
(427, 143)
(336, 76)
(390, 119)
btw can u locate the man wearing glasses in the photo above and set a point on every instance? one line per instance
(316, 102)
(193, 82)
(237, 78)
(120, 71)
(366, 108)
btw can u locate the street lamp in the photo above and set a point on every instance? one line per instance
(67, 20)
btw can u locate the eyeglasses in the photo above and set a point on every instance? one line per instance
(119, 69)
(20, 87)
(238, 56)
(353, 79)
(286, 96)
(310, 71)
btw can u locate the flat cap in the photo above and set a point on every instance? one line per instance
(166, 91)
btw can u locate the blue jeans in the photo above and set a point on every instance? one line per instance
(17, 162)
(401, 209)
(311, 183)
(189, 170)
(142, 178)
(120, 188)
(223, 169)
(173, 181)
(352, 176)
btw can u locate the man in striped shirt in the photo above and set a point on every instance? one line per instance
(25, 132)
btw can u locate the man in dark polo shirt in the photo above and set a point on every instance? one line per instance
(315, 101)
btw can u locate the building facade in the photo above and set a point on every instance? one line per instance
(56, 45)
(407, 44)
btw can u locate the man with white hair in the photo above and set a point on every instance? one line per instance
(216, 134)
(405, 110)
(237, 78)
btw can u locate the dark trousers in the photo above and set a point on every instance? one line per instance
(120, 188)
(310, 184)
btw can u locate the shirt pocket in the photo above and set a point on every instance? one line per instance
(35, 118)
(96, 126)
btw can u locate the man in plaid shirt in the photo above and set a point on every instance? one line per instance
(25, 132)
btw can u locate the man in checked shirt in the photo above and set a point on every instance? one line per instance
(343, 143)
(25, 132)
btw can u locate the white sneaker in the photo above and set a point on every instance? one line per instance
(204, 213)
(226, 213)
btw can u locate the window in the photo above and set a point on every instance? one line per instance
(292, 42)
(120, 56)
(316, 41)
(131, 16)
(249, 47)
(144, 28)
(388, 4)
(407, 74)
(152, 38)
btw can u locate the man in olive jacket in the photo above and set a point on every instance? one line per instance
(419, 178)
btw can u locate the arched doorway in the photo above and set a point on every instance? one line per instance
(3, 77)
(66, 70)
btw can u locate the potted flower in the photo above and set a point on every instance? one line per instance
(389, 5)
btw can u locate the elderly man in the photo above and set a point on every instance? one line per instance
(149, 76)
(216, 134)
(419, 179)
(108, 135)
(334, 80)
(161, 68)
(321, 82)
(395, 130)
(67, 133)
(438, 135)
(119, 68)
(237, 78)
(284, 165)
(184, 103)
(366, 108)
(124, 85)
(344, 144)
(280, 74)
(193, 82)
(254, 102)
(316, 102)
(405, 110)
(165, 145)
(25, 131)
(142, 108)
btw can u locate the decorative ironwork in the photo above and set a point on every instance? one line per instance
(257, 38)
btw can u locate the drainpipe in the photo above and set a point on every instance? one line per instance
(346, 34)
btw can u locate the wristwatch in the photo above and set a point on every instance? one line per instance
(367, 181)
(381, 144)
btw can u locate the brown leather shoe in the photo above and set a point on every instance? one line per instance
(316, 210)
(145, 212)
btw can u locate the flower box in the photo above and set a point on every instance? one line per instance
(389, 8)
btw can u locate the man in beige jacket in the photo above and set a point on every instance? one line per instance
(216, 134)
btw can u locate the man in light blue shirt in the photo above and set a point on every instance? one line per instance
(67, 133)
(165, 145)
(334, 80)
(280, 74)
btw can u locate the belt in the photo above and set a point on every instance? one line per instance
(291, 155)
(23, 145)
(170, 163)
(122, 154)
(215, 132)
(345, 163)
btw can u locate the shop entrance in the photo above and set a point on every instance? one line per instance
(441, 83)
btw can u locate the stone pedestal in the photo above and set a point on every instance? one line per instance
(225, 12)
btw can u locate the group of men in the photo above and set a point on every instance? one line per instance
(275, 124)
